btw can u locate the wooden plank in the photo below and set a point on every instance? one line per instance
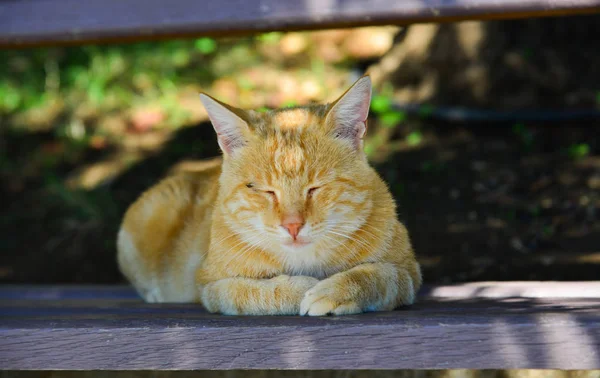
(42, 22)
(479, 326)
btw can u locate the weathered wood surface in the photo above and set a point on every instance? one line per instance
(483, 325)
(38, 22)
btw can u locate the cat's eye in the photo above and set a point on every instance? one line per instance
(272, 194)
(250, 185)
(312, 191)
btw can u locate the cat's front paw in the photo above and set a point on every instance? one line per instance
(298, 284)
(327, 297)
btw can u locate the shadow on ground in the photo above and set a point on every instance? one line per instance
(480, 203)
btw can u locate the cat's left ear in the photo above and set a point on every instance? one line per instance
(232, 130)
(347, 116)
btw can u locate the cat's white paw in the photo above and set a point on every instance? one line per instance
(154, 296)
(326, 298)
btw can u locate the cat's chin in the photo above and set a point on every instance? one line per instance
(297, 244)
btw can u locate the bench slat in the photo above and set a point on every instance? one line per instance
(497, 326)
(45, 22)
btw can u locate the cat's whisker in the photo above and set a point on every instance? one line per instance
(249, 247)
(355, 230)
(238, 233)
(368, 246)
(337, 242)
(352, 226)
(364, 240)
(246, 251)
(348, 262)
(240, 242)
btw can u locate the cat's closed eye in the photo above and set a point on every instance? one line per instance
(312, 191)
(269, 192)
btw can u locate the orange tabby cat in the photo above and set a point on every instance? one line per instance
(294, 220)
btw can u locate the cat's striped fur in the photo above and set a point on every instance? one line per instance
(294, 221)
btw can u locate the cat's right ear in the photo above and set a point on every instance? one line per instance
(231, 130)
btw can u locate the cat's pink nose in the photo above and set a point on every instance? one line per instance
(293, 225)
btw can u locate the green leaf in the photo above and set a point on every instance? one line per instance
(380, 104)
(96, 91)
(415, 138)
(272, 37)
(289, 104)
(180, 58)
(10, 101)
(578, 151)
(393, 118)
(206, 45)
(245, 83)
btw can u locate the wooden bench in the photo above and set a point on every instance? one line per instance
(480, 325)
(51, 22)
(483, 325)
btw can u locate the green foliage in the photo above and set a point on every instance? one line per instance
(289, 104)
(415, 138)
(369, 148)
(206, 45)
(10, 98)
(392, 118)
(105, 76)
(272, 37)
(578, 151)
(382, 106)
(245, 83)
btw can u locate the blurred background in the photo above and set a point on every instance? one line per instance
(483, 130)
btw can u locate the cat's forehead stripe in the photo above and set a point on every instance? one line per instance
(289, 159)
(291, 119)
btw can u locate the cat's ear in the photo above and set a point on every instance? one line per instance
(347, 116)
(231, 129)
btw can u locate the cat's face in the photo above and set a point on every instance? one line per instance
(294, 179)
